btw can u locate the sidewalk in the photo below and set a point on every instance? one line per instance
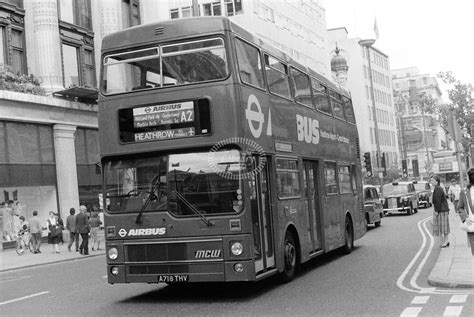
(455, 265)
(10, 260)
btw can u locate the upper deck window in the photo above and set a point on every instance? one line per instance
(277, 76)
(250, 66)
(175, 64)
(337, 109)
(349, 111)
(320, 94)
(300, 84)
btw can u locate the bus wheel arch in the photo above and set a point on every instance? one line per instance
(348, 235)
(291, 254)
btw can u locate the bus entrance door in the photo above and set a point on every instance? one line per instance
(264, 255)
(311, 175)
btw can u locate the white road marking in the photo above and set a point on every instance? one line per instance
(458, 299)
(15, 279)
(453, 311)
(414, 287)
(420, 300)
(22, 298)
(411, 312)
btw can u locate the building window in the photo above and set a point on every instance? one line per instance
(12, 39)
(77, 44)
(233, 7)
(174, 13)
(130, 13)
(77, 12)
(3, 47)
(70, 65)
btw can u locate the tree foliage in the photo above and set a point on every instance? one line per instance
(461, 97)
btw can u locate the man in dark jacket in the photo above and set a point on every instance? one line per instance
(82, 226)
(71, 226)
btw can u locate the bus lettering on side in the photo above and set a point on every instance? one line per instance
(307, 129)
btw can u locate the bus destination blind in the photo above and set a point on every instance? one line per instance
(154, 116)
(157, 116)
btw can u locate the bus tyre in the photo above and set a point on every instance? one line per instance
(410, 210)
(289, 258)
(377, 223)
(348, 237)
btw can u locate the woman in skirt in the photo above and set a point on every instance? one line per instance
(441, 212)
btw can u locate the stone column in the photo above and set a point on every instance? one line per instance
(66, 170)
(47, 44)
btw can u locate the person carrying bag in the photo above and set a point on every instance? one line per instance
(465, 207)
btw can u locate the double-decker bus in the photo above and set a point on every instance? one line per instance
(223, 158)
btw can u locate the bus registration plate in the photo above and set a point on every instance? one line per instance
(173, 278)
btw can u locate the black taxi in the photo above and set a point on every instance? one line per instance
(425, 193)
(400, 197)
(372, 205)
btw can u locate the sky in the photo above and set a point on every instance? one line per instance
(433, 35)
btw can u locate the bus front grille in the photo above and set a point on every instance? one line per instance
(192, 268)
(157, 252)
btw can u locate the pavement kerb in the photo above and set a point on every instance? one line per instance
(49, 263)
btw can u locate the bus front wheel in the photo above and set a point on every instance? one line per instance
(289, 258)
(348, 237)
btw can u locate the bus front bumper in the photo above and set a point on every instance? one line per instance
(180, 273)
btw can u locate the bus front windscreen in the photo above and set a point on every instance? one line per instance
(180, 63)
(178, 183)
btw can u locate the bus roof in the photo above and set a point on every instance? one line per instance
(147, 34)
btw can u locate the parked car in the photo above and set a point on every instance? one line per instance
(400, 197)
(372, 205)
(425, 193)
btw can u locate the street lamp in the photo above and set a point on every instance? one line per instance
(367, 44)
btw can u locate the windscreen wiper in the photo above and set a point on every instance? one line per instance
(188, 204)
(151, 194)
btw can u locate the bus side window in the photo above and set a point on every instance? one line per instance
(348, 110)
(330, 180)
(320, 97)
(300, 85)
(336, 101)
(250, 65)
(277, 77)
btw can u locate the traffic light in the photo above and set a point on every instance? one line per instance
(384, 165)
(368, 164)
(404, 168)
(416, 171)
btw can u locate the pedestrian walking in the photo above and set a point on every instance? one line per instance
(466, 208)
(55, 227)
(73, 233)
(454, 192)
(440, 212)
(95, 223)
(82, 225)
(36, 231)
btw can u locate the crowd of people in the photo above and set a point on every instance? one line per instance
(81, 227)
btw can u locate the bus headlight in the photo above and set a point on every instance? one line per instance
(114, 270)
(237, 248)
(113, 253)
